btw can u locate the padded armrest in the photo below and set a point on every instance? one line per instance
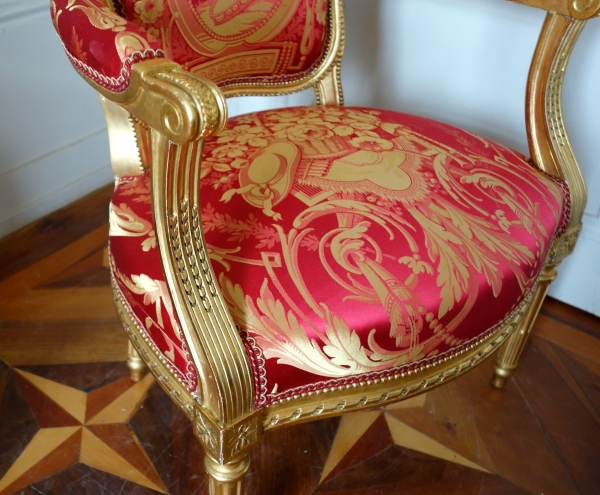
(123, 63)
(101, 44)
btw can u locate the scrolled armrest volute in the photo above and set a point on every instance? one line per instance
(181, 106)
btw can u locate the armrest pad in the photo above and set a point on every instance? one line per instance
(100, 44)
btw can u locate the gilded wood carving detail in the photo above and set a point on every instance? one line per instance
(230, 442)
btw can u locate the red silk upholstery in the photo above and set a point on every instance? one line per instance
(349, 243)
(236, 40)
(225, 41)
(100, 43)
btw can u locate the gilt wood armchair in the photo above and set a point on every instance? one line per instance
(293, 264)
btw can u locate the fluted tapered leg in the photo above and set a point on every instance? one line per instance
(226, 479)
(135, 363)
(507, 358)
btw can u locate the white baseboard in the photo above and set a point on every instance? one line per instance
(56, 179)
(578, 281)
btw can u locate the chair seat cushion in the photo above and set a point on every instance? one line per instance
(349, 243)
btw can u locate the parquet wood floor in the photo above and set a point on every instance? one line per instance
(71, 421)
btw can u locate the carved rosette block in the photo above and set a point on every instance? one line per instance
(230, 443)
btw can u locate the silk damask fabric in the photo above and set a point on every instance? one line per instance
(100, 43)
(236, 40)
(226, 41)
(349, 243)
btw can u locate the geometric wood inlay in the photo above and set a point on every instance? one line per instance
(71, 400)
(124, 405)
(410, 438)
(29, 467)
(351, 428)
(46, 411)
(95, 453)
(104, 442)
(125, 443)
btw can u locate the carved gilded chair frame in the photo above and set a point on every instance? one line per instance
(173, 112)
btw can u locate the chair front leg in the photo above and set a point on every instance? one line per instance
(226, 479)
(135, 363)
(507, 358)
(226, 449)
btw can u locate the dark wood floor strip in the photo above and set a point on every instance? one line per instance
(53, 232)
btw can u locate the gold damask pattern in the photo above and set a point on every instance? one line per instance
(350, 241)
(227, 40)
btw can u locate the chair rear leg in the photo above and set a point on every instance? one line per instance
(226, 479)
(507, 358)
(135, 363)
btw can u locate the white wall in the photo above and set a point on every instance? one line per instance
(52, 133)
(461, 61)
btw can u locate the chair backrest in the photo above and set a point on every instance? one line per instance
(246, 47)
(239, 42)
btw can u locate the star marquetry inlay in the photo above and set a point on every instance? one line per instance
(386, 426)
(76, 426)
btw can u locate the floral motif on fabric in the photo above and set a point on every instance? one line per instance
(349, 241)
(386, 232)
(230, 40)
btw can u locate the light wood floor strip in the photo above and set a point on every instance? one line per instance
(37, 343)
(57, 305)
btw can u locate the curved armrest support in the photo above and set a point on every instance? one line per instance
(549, 143)
(226, 383)
(181, 109)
